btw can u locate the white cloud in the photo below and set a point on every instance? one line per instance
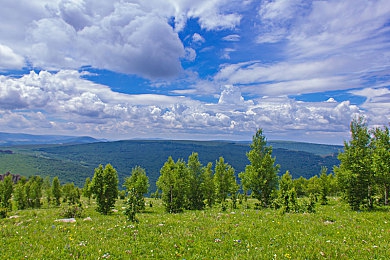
(65, 103)
(132, 37)
(231, 95)
(232, 38)
(190, 54)
(9, 59)
(325, 45)
(321, 46)
(377, 104)
(197, 38)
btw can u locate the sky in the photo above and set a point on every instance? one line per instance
(198, 70)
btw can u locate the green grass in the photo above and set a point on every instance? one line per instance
(333, 232)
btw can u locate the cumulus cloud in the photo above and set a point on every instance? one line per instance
(9, 59)
(320, 46)
(231, 95)
(64, 101)
(132, 37)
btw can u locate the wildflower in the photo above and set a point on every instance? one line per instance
(237, 241)
(106, 255)
(83, 243)
(287, 255)
(217, 240)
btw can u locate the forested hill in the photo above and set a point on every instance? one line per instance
(73, 163)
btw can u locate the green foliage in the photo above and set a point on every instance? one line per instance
(29, 162)
(3, 212)
(33, 191)
(87, 192)
(355, 174)
(138, 185)
(287, 197)
(224, 180)
(132, 205)
(260, 176)
(105, 187)
(56, 190)
(6, 188)
(196, 195)
(74, 163)
(71, 194)
(381, 160)
(173, 184)
(19, 194)
(208, 186)
(324, 186)
(300, 186)
(72, 211)
(46, 186)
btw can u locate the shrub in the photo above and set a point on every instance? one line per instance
(72, 211)
(3, 212)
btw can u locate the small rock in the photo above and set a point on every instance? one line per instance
(66, 220)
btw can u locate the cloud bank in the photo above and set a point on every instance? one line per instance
(64, 101)
(214, 69)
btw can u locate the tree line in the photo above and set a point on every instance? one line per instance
(362, 179)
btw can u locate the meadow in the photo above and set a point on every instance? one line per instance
(332, 232)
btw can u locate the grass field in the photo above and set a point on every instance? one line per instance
(333, 232)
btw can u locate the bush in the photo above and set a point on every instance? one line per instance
(3, 212)
(72, 211)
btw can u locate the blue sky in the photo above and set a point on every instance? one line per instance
(206, 70)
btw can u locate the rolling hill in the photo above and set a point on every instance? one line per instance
(75, 162)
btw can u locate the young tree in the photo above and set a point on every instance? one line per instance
(6, 192)
(300, 186)
(70, 193)
(19, 194)
(355, 174)
(46, 186)
(324, 186)
(137, 185)
(314, 187)
(287, 196)
(173, 184)
(33, 189)
(131, 206)
(208, 187)
(260, 177)
(87, 189)
(224, 180)
(195, 179)
(56, 190)
(105, 186)
(381, 160)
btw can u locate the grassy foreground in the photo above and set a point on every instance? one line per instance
(333, 232)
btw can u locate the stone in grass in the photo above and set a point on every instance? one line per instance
(66, 220)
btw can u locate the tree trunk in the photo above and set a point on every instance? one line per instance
(370, 204)
(386, 195)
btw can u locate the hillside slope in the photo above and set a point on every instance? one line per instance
(76, 162)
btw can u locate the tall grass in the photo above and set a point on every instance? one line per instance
(333, 232)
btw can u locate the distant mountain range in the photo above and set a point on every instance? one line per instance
(73, 159)
(11, 139)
